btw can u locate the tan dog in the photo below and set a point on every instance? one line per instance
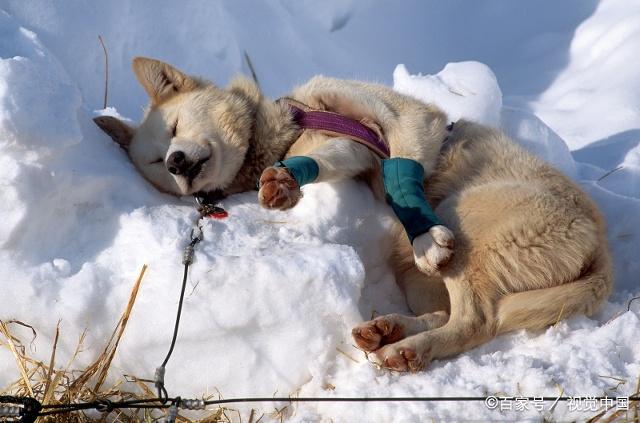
(530, 245)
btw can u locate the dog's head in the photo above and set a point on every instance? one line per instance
(194, 135)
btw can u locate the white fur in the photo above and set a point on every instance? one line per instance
(433, 249)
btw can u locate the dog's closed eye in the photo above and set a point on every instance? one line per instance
(160, 160)
(174, 129)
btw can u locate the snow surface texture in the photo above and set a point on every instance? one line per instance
(272, 296)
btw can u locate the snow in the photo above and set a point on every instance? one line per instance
(465, 89)
(272, 296)
(599, 84)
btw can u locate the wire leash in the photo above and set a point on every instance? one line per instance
(196, 236)
(25, 409)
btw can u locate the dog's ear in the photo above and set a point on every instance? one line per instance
(161, 80)
(119, 131)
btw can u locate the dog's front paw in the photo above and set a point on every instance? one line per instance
(432, 250)
(278, 189)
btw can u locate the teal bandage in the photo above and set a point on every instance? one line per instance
(404, 191)
(303, 169)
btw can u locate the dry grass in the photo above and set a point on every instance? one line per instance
(52, 384)
(632, 415)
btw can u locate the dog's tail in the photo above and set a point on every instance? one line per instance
(539, 308)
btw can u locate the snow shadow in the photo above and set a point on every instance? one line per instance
(610, 152)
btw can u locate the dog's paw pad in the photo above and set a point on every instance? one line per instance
(369, 336)
(433, 250)
(278, 189)
(400, 359)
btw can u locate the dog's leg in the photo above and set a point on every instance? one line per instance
(474, 321)
(426, 296)
(539, 308)
(404, 190)
(469, 325)
(336, 159)
(424, 293)
(391, 328)
(417, 138)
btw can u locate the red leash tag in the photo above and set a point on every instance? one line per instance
(218, 213)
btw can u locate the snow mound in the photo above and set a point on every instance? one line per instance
(257, 290)
(466, 90)
(469, 90)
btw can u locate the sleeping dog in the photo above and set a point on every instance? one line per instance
(530, 246)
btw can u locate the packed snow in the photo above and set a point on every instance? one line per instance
(272, 296)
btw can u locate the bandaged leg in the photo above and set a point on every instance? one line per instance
(404, 191)
(303, 169)
(336, 159)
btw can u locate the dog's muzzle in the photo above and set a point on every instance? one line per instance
(179, 164)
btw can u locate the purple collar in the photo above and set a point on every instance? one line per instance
(338, 124)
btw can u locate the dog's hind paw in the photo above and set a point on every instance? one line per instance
(371, 335)
(400, 358)
(278, 189)
(432, 250)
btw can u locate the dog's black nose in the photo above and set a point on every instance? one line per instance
(177, 163)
